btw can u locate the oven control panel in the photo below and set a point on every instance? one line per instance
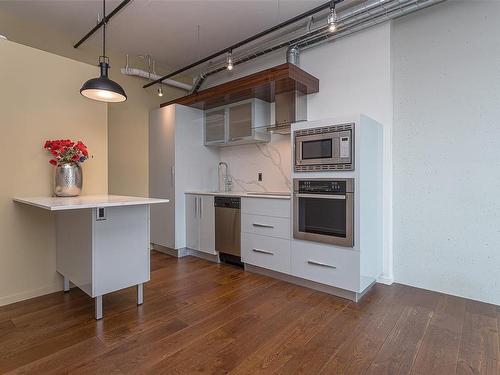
(324, 186)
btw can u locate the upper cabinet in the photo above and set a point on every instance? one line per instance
(238, 123)
(215, 127)
(285, 85)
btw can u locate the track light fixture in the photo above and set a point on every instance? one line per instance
(332, 18)
(229, 64)
(160, 91)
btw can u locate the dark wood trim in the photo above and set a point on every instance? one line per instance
(262, 85)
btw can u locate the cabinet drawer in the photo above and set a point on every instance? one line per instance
(266, 252)
(326, 264)
(266, 225)
(266, 207)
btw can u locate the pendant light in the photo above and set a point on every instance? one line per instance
(103, 89)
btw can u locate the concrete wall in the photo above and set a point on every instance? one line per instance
(39, 102)
(447, 149)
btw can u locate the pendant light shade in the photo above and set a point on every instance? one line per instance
(103, 89)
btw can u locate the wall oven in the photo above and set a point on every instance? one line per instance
(323, 210)
(325, 148)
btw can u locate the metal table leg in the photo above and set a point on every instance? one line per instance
(66, 284)
(140, 294)
(98, 307)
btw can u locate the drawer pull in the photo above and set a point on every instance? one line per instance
(263, 251)
(314, 263)
(263, 225)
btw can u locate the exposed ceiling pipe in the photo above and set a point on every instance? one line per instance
(197, 83)
(293, 55)
(406, 8)
(351, 20)
(143, 74)
(249, 40)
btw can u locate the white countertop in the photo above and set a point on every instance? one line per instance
(243, 194)
(86, 201)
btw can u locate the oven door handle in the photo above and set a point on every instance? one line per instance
(321, 196)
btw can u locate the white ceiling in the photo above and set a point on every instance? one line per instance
(165, 29)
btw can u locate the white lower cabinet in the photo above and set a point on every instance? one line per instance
(266, 252)
(326, 264)
(200, 223)
(266, 225)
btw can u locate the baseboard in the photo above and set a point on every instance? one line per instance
(385, 279)
(342, 293)
(177, 253)
(7, 300)
(201, 254)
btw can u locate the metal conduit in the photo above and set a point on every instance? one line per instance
(407, 8)
(359, 18)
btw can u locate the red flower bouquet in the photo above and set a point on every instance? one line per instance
(65, 151)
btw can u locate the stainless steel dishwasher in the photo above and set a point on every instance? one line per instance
(228, 229)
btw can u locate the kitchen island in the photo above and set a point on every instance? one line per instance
(102, 242)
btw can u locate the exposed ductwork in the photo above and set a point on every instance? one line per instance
(351, 20)
(151, 76)
(293, 55)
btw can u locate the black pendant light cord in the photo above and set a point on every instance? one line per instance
(104, 28)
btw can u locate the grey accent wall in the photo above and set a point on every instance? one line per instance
(446, 149)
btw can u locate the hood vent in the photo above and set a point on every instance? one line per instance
(290, 104)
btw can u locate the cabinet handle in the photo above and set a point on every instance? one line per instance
(314, 263)
(201, 209)
(263, 251)
(263, 225)
(196, 206)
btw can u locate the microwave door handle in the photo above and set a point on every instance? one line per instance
(321, 196)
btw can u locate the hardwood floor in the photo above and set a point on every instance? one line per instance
(200, 317)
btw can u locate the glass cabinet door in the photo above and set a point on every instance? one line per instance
(240, 121)
(215, 123)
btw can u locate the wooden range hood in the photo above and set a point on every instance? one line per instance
(283, 84)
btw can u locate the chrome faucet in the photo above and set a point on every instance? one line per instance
(227, 178)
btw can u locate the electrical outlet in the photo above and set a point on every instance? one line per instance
(260, 176)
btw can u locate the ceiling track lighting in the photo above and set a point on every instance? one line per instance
(332, 18)
(229, 64)
(103, 89)
(160, 91)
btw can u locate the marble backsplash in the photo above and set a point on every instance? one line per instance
(272, 159)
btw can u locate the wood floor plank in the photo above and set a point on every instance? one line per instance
(399, 351)
(479, 347)
(220, 356)
(325, 344)
(358, 351)
(440, 346)
(132, 356)
(290, 341)
(202, 317)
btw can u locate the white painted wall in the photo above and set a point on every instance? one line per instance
(447, 149)
(355, 77)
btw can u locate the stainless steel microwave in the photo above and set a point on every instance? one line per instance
(325, 149)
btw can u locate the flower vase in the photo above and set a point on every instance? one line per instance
(68, 180)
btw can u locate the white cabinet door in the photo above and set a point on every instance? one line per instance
(207, 224)
(192, 222)
(161, 177)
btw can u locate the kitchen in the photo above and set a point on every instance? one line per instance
(306, 221)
